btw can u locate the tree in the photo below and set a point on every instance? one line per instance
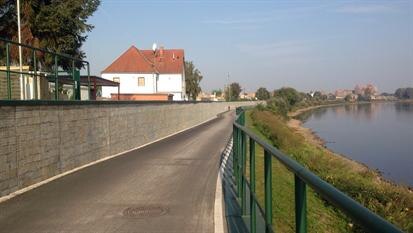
(404, 93)
(192, 79)
(291, 95)
(279, 105)
(232, 93)
(399, 93)
(217, 93)
(58, 26)
(409, 93)
(262, 94)
(319, 96)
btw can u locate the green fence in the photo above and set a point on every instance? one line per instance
(302, 178)
(14, 79)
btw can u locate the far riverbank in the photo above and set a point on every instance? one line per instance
(360, 132)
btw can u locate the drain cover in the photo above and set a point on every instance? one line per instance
(144, 211)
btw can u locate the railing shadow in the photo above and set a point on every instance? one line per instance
(235, 221)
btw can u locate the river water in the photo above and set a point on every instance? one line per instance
(380, 135)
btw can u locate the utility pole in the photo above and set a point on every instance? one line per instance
(22, 86)
(229, 89)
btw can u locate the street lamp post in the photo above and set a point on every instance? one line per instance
(22, 89)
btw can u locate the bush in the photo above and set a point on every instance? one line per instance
(278, 105)
(291, 95)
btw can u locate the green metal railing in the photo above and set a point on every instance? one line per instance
(35, 72)
(302, 178)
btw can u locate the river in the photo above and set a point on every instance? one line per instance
(379, 135)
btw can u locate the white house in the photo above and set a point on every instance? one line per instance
(147, 75)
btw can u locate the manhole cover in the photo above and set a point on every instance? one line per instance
(144, 211)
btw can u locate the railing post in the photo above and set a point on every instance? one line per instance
(56, 81)
(88, 81)
(243, 169)
(300, 206)
(268, 190)
(239, 162)
(35, 75)
(74, 80)
(253, 218)
(234, 154)
(8, 71)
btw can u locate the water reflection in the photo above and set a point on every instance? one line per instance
(376, 134)
(403, 107)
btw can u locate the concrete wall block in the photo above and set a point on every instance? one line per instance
(48, 161)
(33, 120)
(68, 152)
(67, 165)
(51, 144)
(4, 187)
(27, 130)
(49, 140)
(6, 122)
(27, 112)
(4, 175)
(7, 112)
(25, 168)
(7, 144)
(49, 113)
(29, 178)
(49, 170)
(26, 155)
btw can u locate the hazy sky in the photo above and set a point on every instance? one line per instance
(308, 45)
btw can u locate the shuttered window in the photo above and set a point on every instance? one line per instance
(141, 81)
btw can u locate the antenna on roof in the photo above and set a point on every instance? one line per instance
(154, 47)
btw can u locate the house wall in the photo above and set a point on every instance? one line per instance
(171, 83)
(167, 83)
(129, 84)
(45, 140)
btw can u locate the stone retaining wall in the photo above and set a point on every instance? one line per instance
(40, 141)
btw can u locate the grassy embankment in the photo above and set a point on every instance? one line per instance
(395, 203)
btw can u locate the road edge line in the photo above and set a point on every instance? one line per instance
(36, 185)
(218, 207)
(219, 223)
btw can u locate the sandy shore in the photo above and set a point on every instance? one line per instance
(311, 137)
(307, 133)
(302, 110)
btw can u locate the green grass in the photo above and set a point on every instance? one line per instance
(395, 203)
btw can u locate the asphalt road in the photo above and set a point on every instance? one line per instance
(168, 186)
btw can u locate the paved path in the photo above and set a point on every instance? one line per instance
(177, 175)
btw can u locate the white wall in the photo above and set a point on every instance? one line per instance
(167, 83)
(171, 83)
(129, 84)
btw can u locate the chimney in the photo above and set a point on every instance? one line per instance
(161, 51)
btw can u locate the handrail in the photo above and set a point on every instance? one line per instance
(36, 73)
(42, 50)
(363, 216)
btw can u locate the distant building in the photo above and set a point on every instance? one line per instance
(342, 93)
(352, 97)
(331, 96)
(147, 75)
(205, 96)
(368, 90)
(247, 96)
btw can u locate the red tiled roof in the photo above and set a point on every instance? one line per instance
(133, 60)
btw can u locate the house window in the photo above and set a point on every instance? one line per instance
(116, 79)
(141, 81)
